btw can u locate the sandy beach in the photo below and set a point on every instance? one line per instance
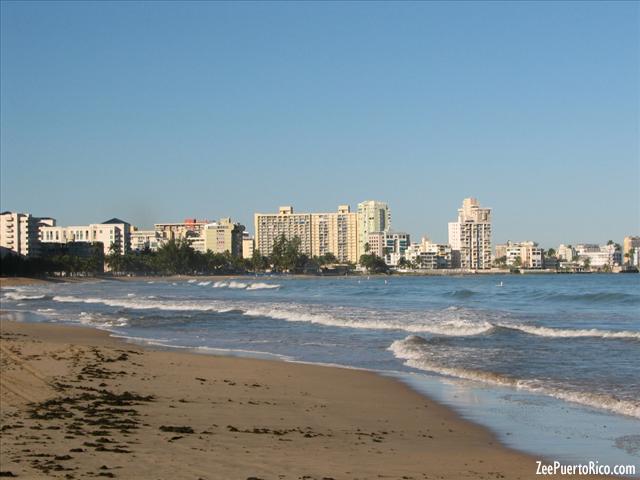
(77, 403)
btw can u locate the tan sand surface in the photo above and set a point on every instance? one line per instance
(76, 403)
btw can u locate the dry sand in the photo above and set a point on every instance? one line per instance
(76, 403)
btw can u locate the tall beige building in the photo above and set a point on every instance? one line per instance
(471, 236)
(19, 233)
(630, 243)
(335, 233)
(223, 236)
(319, 233)
(373, 216)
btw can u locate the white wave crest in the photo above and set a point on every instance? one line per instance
(573, 333)
(262, 286)
(20, 296)
(410, 349)
(203, 284)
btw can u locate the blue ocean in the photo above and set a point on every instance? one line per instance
(551, 363)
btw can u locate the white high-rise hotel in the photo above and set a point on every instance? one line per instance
(471, 236)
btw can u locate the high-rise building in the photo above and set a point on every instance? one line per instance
(470, 235)
(269, 227)
(19, 233)
(335, 233)
(114, 233)
(319, 233)
(223, 236)
(248, 245)
(373, 216)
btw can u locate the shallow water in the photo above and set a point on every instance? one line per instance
(550, 362)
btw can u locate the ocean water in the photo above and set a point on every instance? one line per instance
(551, 363)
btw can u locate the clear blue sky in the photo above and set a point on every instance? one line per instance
(161, 111)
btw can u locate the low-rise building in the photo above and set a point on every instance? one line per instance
(142, 240)
(565, 253)
(113, 233)
(429, 256)
(389, 245)
(521, 254)
(599, 256)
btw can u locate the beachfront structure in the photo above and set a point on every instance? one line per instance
(429, 256)
(319, 233)
(113, 233)
(146, 239)
(19, 233)
(391, 246)
(599, 256)
(373, 216)
(470, 236)
(565, 253)
(630, 249)
(335, 233)
(248, 246)
(521, 254)
(190, 228)
(223, 236)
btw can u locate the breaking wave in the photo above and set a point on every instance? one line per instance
(411, 349)
(19, 296)
(262, 286)
(448, 322)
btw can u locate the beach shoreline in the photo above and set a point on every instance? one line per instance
(75, 400)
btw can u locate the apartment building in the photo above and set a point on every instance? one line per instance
(269, 227)
(565, 253)
(319, 233)
(429, 256)
(248, 245)
(630, 248)
(373, 216)
(391, 246)
(146, 239)
(599, 256)
(335, 233)
(113, 232)
(223, 236)
(470, 236)
(19, 233)
(521, 254)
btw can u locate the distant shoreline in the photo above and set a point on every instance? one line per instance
(6, 281)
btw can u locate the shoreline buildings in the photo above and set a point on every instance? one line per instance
(319, 233)
(521, 254)
(470, 237)
(111, 232)
(20, 232)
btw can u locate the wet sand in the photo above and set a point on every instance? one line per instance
(76, 403)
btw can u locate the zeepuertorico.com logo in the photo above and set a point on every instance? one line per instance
(591, 468)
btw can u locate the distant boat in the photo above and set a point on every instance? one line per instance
(500, 285)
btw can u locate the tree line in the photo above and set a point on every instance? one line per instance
(177, 257)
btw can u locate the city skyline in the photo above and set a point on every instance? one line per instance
(158, 114)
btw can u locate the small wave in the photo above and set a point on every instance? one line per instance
(204, 284)
(410, 349)
(573, 333)
(19, 296)
(231, 284)
(593, 297)
(464, 293)
(262, 286)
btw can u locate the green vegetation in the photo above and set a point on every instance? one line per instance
(176, 257)
(373, 263)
